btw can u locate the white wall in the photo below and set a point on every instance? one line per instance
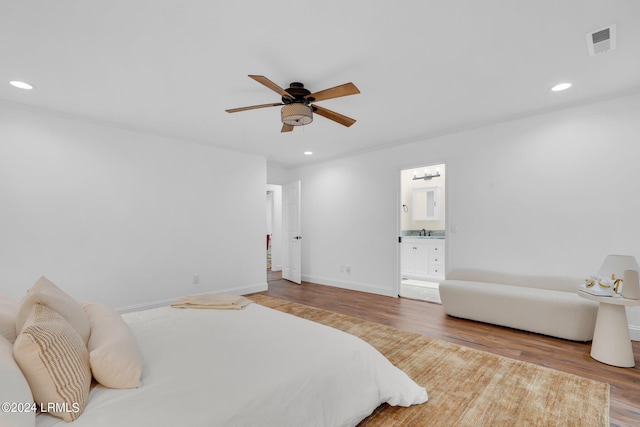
(350, 211)
(277, 175)
(123, 217)
(550, 194)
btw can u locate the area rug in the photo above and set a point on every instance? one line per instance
(468, 387)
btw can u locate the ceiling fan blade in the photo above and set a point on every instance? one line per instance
(253, 107)
(335, 92)
(286, 128)
(271, 85)
(332, 115)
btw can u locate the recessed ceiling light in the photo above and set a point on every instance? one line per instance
(20, 85)
(561, 86)
(308, 153)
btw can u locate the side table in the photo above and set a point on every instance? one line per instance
(611, 342)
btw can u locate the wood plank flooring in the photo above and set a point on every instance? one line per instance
(429, 319)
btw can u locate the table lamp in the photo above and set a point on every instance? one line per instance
(622, 269)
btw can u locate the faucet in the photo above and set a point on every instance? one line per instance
(423, 232)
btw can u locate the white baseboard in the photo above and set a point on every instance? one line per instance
(161, 303)
(260, 287)
(634, 332)
(354, 286)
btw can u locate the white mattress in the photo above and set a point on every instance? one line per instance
(249, 367)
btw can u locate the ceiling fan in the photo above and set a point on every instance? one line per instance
(297, 104)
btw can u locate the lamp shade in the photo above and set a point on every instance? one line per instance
(296, 114)
(630, 285)
(616, 265)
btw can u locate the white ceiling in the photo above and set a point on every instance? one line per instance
(171, 67)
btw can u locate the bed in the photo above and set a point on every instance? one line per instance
(250, 367)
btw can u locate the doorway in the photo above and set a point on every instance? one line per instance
(422, 232)
(283, 239)
(274, 228)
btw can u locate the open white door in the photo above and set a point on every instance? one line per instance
(291, 230)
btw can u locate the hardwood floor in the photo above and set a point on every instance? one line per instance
(429, 319)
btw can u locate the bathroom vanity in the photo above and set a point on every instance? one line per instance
(422, 257)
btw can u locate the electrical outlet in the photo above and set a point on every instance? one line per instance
(196, 279)
(347, 268)
(341, 268)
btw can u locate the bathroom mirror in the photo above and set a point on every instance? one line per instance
(426, 203)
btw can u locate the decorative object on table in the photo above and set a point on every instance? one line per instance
(610, 279)
(614, 267)
(631, 285)
(595, 285)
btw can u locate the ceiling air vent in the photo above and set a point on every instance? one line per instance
(602, 40)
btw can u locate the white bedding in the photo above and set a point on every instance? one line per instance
(249, 367)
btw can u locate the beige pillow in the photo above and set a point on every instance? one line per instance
(8, 313)
(55, 362)
(47, 293)
(14, 390)
(114, 355)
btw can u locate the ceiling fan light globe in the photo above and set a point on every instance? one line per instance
(296, 114)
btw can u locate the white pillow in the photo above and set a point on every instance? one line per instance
(8, 313)
(14, 390)
(47, 293)
(55, 362)
(115, 358)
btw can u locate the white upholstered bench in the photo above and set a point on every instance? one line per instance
(545, 305)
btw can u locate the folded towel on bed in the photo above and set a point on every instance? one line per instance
(218, 301)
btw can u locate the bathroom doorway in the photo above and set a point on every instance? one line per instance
(422, 232)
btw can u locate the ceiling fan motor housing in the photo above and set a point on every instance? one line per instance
(298, 94)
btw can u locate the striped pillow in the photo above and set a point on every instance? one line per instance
(55, 362)
(47, 293)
